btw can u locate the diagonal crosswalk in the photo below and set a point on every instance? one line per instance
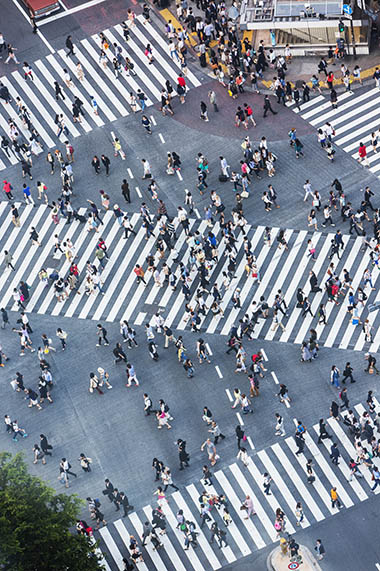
(111, 94)
(123, 298)
(356, 117)
(289, 486)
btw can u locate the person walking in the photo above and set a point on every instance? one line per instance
(45, 446)
(102, 335)
(335, 501)
(335, 454)
(70, 46)
(320, 550)
(247, 505)
(268, 107)
(267, 483)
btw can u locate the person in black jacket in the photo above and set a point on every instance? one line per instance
(183, 455)
(313, 283)
(108, 491)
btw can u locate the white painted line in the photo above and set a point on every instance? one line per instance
(241, 422)
(298, 483)
(317, 484)
(235, 502)
(249, 440)
(168, 546)
(179, 175)
(138, 192)
(197, 212)
(51, 49)
(264, 354)
(275, 377)
(213, 562)
(218, 371)
(154, 122)
(161, 138)
(44, 135)
(261, 513)
(161, 41)
(229, 396)
(272, 500)
(153, 554)
(271, 469)
(208, 349)
(102, 104)
(70, 11)
(130, 173)
(140, 318)
(111, 546)
(48, 77)
(106, 89)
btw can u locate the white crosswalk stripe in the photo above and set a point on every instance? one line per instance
(111, 94)
(355, 119)
(289, 485)
(124, 299)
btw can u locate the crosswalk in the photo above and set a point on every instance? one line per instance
(289, 486)
(111, 94)
(357, 116)
(124, 299)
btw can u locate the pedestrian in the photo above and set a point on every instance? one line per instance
(243, 456)
(45, 446)
(212, 99)
(247, 505)
(320, 550)
(38, 454)
(266, 483)
(102, 335)
(299, 514)
(62, 336)
(85, 462)
(70, 46)
(334, 454)
(204, 115)
(268, 107)
(280, 430)
(335, 501)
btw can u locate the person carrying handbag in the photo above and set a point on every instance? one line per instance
(85, 462)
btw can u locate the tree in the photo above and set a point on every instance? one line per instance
(35, 524)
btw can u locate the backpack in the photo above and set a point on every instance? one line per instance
(97, 503)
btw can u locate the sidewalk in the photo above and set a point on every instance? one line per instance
(278, 562)
(301, 68)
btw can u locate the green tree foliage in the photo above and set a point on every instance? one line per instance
(35, 524)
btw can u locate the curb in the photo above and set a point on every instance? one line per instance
(309, 562)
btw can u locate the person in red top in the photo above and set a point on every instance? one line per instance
(140, 274)
(330, 80)
(181, 80)
(363, 155)
(7, 188)
(249, 114)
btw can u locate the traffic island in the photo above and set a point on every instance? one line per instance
(280, 560)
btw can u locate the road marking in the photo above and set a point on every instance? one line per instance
(130, 173)
(249, 440)
(153, 120)
(218, 371)
(138, 192)
(264, 354)
(208, 349)
(70, 11)
(275, 377)
(179, 175)
(241, 422)
(41, 36)
(161, 138)
(140, 318)
(229, 395)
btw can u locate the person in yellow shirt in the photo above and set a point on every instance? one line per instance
(335, 498)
